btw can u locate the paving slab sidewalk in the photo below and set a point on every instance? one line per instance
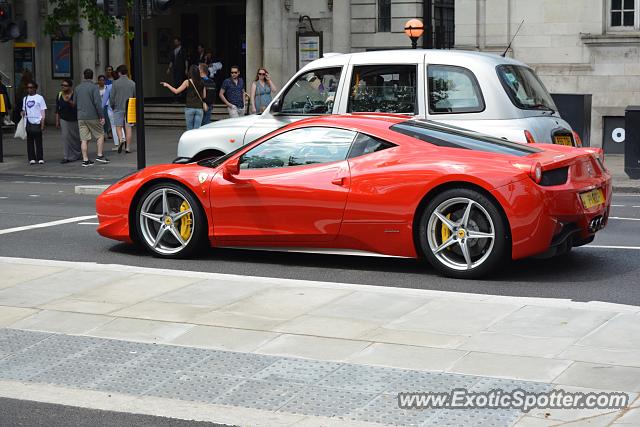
(276, 332)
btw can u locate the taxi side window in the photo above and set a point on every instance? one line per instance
(383, 88)
(312, 93)
(453, 89)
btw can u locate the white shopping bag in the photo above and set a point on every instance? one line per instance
(21, 129)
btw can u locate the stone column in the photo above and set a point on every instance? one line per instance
(254, 36)
(86, 50)
(274, 40)
(116, 51)
(341, 26)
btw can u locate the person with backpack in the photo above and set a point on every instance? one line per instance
(210, 87)
(67, 122)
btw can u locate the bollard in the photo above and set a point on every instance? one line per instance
(131, 111)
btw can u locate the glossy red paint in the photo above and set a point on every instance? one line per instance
(369, 202)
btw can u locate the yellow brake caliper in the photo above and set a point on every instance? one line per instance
(445, 232)
(185, 221)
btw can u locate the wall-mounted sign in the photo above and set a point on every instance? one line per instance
(613, 135)
(61, 59)
(309, 47)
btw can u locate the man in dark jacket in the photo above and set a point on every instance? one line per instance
(90, 117)
(178, 63)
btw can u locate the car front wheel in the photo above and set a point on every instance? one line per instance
(169, 221)
(463, 234)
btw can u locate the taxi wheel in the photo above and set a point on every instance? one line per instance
(169, 221)
(463, 234)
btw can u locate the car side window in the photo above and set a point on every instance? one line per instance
(299, 147)
(383, 88)
(365, 144)
(312, 93)
(453, 89)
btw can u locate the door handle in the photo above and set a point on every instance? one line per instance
(338, 181)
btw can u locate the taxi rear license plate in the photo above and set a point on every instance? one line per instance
(563, 140)
(592, 198)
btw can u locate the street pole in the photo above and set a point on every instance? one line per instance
(137, 65)
(1, 142)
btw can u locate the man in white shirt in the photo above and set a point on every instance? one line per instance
(33, 110)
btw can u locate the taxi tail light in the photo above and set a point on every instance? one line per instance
(529, 137)
(577, 139)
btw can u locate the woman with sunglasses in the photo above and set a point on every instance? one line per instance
(261, 90)
(33, 111)
(67, 121)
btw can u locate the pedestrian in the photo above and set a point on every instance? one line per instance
(121, 90)
(21, 92)
(33, 110)
(90, 118)
(232, 93)
(67, 122)
(108, 72)
(196, 94)
(199, 56)
(210, 98)
(106, 107)
(4, 117)
(102, 88)
(178, 63)
(261, 92)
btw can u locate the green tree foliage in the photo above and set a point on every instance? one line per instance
(67, 13)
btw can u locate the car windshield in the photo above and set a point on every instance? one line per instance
(524, 88)
(454, 137)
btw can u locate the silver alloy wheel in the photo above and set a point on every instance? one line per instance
(461, 243)
(159, 215)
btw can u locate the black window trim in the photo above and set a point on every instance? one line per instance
(284, 94)
(358, 133)
(353, 69)
(475, 81)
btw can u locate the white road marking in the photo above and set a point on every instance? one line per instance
(47, 224)
(624, 219)
(4, 197)
(635, 248)
(88, 223)
(635, 206)
(34, 195)
(618, 206)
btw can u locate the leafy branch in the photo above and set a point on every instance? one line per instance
(65, 15)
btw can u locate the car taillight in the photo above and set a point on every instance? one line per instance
(577, 139)
(529, 137)
(536, 172)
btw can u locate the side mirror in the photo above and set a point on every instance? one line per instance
(275, 107)
(231, 168)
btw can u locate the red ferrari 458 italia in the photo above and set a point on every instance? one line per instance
(372, 182)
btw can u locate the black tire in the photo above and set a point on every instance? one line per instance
(193, 229)
(445, 247)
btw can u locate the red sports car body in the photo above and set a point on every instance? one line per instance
(378, 183)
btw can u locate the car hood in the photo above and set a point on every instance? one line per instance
(244, 122)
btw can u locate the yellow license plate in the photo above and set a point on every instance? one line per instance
(592, 198)
(563, 140)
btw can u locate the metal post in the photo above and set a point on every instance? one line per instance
(1, 142)
(137, 65)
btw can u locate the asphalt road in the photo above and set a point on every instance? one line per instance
(607, 270)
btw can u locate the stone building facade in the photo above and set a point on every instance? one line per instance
(575, 46)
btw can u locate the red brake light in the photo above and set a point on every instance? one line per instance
(529, 137)
(577, 139)
(536, 172)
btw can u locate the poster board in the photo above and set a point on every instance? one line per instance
(61, 59)
(308, 48)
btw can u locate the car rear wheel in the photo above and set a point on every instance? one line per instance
(463, 234)
(169, 221)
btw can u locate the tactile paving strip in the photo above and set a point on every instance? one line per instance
(342, 390)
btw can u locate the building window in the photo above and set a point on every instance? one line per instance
(624, 14)
(443, 24)
(384, 16)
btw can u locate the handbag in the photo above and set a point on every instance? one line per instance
(205, 107)
(21, 129)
